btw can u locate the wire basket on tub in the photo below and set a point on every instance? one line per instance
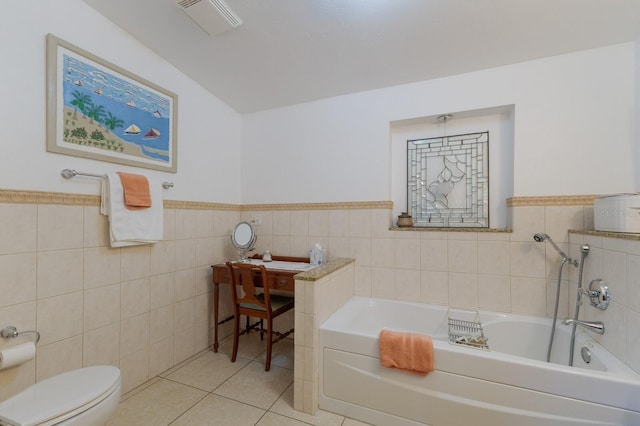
(467, 333)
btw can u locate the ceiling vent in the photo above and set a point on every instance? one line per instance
(213, 16)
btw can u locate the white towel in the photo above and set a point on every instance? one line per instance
(131, 227)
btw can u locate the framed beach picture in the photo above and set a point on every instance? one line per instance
(98, 110)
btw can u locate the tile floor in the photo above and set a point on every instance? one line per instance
(209, 389)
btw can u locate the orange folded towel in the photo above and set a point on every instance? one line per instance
(412, 352)
(136, 191)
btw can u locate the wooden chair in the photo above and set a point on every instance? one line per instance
(254, 300)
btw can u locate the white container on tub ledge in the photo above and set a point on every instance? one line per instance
(617, 213)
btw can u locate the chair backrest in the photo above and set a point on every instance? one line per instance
(244, 275)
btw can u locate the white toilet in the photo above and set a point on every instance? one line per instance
(87, 396)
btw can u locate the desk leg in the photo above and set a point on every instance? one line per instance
(216, 300)
(216, 296)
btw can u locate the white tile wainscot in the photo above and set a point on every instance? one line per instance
(319, 293)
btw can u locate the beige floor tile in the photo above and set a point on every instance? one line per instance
(351, 422)
(208, 371)
(216, 410)
(272, 419)
(249, 346)
(284, 406)
(242, 391)
(159, 404)
(254, 386)
(281, 354)
(181, 364)
(139, 389)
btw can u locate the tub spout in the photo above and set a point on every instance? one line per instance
(595, 326)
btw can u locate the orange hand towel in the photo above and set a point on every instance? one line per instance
(412, 352)
(136, 191)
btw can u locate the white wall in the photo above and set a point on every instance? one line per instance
(636, 117)
(567, 108)
(209, 132)
(572, 135)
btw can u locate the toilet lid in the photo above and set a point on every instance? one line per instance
(61, 394)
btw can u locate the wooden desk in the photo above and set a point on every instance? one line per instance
(279, 279)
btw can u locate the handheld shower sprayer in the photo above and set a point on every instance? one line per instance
(541, 236)
(584, 252)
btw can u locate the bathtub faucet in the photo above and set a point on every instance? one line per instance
(595, 326)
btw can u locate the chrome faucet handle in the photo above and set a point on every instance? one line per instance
(599, 294)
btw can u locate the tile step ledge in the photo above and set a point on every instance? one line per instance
(439, 229)
(606, 234)
(321, 271)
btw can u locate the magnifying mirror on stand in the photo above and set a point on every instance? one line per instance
(243, 238)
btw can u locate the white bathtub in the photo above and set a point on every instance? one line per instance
(510, 384)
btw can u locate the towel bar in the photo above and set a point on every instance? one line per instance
(69, 173)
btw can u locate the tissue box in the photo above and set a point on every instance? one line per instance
(318, 255)
(617, 213)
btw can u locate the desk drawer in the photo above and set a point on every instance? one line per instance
(221, 275)
(282, 282)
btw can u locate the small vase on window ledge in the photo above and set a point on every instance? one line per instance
(405, 220)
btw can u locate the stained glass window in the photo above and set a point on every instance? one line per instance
(448, 181)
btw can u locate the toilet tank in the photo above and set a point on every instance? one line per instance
(617, 213)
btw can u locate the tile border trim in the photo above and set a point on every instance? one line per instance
(43, 197)
(350, 205)
(554, 200)
(606, 234)
(40, 197)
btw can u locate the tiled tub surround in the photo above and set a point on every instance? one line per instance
(320, 292)
(487, 269)
(616, 259)
(88, 317)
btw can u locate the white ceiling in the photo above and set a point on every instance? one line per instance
(292, 51)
